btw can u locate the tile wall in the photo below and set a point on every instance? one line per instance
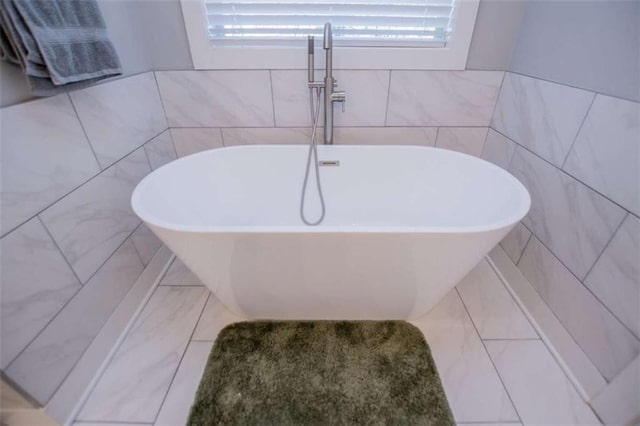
(70, 241)
(71, 245)
(577, 152)
(449, 109)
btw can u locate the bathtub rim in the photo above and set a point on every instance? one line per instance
(149, 218)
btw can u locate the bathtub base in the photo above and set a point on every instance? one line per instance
(332, 276)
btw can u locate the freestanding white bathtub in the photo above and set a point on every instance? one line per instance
(403, 225)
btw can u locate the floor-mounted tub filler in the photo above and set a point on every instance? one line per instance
(403, 225)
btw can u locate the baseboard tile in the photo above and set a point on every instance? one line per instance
(575, 363)
(77, 386)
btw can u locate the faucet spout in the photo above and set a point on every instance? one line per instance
(330, 94)
(328, 39)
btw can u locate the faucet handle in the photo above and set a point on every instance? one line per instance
(340, 96)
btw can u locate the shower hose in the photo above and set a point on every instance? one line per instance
(313, 152)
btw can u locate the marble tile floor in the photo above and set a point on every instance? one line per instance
(494, 367)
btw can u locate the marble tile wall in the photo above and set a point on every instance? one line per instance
(575, 150)
(442, 98)
(578, 154)
(210, 109)
(73, 329)
(71, 245)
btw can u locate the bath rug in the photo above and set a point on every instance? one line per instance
(320, 373)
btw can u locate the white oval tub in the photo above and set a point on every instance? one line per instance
(403, 225)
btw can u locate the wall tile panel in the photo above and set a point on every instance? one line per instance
(442, 98)
(217, 98)
(572, 220)
(615, 278)
(544, 117)
(119, 116)
(36, 283)
(606, 155)
(91, 222)
(45, 154)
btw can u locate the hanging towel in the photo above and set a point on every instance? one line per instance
(60, 44)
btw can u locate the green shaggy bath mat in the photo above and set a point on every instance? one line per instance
(320, 373)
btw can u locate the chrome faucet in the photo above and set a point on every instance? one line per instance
(329, 84)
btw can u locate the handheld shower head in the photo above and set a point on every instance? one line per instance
(310, 61)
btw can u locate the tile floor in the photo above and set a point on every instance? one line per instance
(494, 367)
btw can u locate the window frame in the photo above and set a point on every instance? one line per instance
(207, 56)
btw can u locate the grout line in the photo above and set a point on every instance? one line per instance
(588, 290)
(142, 145)
(55, 243)
(525, 245)
(136, 248)
(164, 111)
(555, 316)
(86, 135)
(221, 136)
(582, 281)
(495, 106)
(114, 350)
(484, 141)
(273, 104)
(561, 171)
(535, 339)
(515, 147)
(386, 111)
(93, 339)
(186, 347)
(318, 68)
(146, 155)
(64, 306)
(173, 144)
(182, 285)
(77, 89)
(301, 126)
(435, 142)
(106, 422)
(520, 308)
(575, 138)
(484, 144)
(557, 356)
(488, 355)
(572, 86)
(171, 262)
(624, 218)
(80, 185)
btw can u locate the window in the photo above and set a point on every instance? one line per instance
(368, 34)
(355, 22)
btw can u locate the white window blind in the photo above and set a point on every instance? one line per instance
(354, 22)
